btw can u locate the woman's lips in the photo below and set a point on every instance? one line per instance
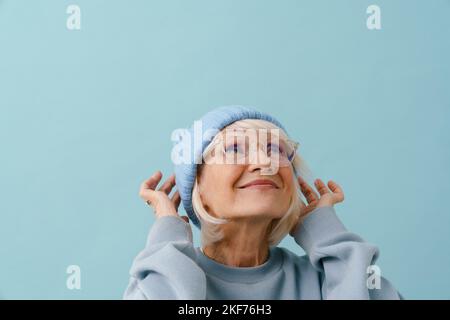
(260, 184)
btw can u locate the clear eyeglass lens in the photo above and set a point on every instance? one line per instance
(242, 149)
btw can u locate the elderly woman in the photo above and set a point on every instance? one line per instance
(246, 194)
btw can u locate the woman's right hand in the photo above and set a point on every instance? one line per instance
(159, 199)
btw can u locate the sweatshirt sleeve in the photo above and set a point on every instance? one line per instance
(166, 268)
(342, 258)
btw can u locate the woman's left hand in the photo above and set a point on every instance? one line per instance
(327, 196)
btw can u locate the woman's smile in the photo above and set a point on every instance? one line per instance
(260, 187)
(260, 184)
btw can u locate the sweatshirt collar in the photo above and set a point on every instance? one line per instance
(241, 274)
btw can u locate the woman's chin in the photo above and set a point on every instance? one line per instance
(262, 208)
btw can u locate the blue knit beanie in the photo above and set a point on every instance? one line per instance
(217, 119)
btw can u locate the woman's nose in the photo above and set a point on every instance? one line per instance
(259, 160)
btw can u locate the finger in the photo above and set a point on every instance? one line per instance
(146, 190)
(321, 187)
(334, 187)
(307, 191)
(176, 199)
(337, 190)
(153, 181)
(168, 185)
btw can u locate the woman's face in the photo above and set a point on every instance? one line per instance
(240, 190)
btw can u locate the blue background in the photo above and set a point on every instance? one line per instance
(86, 116)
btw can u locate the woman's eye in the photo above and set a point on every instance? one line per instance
(273, 148)
(235, 148)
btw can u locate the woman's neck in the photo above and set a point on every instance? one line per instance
(245, 244)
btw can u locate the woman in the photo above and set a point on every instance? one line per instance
(246, 194)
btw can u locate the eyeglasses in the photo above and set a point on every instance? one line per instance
(242, 147)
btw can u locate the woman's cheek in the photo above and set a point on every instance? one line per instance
(288, 182)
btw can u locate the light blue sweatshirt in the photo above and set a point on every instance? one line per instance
(334, 267)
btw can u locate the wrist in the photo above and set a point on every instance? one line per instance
(165, 214)
(325, 203)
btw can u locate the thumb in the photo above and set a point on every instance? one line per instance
(148, 195)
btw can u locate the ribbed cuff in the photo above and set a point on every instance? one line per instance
(169, 229)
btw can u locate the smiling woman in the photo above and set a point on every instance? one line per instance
(242, 192)
(244, 209)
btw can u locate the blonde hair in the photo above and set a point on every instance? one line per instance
(210, 226)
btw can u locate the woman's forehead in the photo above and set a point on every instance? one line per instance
(256, 133)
